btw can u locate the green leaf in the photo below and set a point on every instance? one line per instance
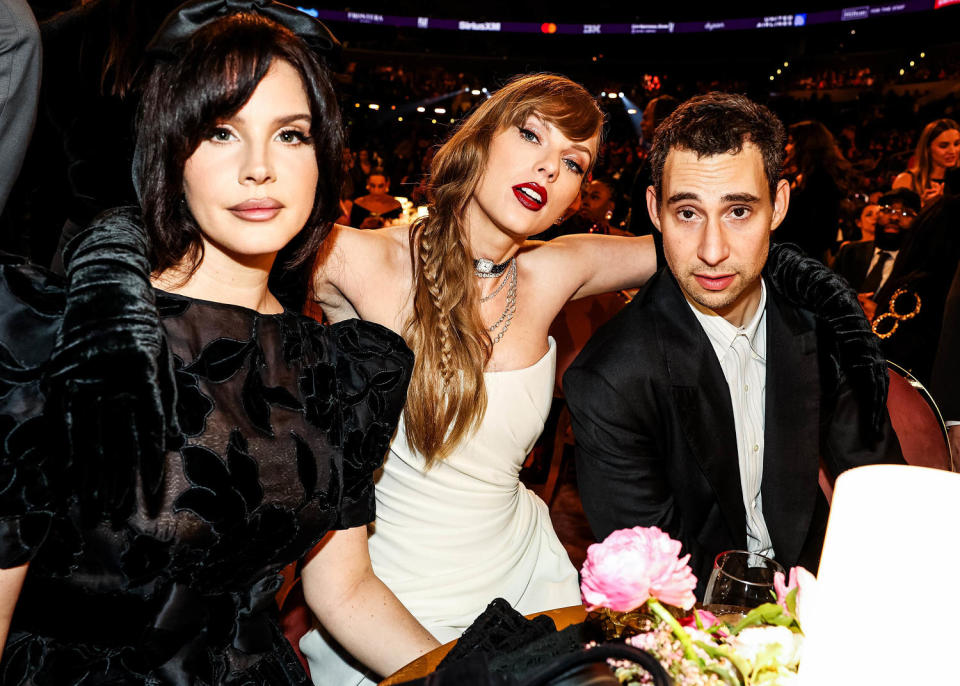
(724, 674)
(792, 601)
(719, 652)
(768, 613)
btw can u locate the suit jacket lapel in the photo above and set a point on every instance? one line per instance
(791, 428)
(702, 398)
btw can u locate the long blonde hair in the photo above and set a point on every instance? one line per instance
(922, 159)
(447, 398)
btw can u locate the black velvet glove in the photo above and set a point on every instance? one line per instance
(111, 376)
(807, 283)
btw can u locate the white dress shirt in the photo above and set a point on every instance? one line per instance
(742, 353)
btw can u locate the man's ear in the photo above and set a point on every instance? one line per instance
(781, 201)
(653, 208)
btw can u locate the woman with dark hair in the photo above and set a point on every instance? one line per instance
(474, 299)
(818, 176)
(938, 150)
(142, 554)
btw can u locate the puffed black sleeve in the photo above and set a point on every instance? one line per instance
(31, 466)
(373, 366)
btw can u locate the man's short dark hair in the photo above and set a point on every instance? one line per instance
(718, 123)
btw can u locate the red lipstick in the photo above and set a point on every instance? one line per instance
(533, 196)
(257, 209)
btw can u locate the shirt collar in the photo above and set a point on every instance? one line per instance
(722, 333)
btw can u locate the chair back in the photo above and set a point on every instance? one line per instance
(917, 421)
(576, 322)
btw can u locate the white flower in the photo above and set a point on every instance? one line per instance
(768, 647)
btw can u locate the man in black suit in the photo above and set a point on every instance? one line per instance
(866, 265)
(703, 407)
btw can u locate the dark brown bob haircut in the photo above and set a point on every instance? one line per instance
(718, 123)
(215, 74)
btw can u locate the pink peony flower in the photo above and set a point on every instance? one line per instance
(783, 589)
(632, 565)
(707, 618)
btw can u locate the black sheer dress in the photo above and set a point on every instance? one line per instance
(283, 422)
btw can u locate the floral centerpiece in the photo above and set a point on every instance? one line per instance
(635, 582)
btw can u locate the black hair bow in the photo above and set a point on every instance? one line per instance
(190, 16)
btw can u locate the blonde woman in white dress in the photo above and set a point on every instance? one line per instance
(474, 299)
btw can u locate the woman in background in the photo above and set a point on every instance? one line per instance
(818, 176)
(937, 151)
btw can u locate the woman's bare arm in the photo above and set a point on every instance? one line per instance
(363, 274)
(589, 264)
(357, 608)
(11, 581)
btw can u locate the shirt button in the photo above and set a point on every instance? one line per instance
(746, 387)
(756, 447)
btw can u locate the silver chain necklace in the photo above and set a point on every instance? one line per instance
(511, 305)
(503, 281)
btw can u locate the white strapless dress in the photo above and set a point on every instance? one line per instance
(450, 539)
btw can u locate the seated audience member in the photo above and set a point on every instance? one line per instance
(938, 150)
(866, 222)
(655, 112)
(910, 305)
(946, 366)
(704, 406)
(20, 76)
(598, 200)
(819, 179)
(371, 211)
(867, 264)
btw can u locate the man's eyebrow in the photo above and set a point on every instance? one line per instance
(740, 197)
(683, 195)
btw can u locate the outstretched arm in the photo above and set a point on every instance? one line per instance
(601, 264)
(11, 581)
(357, 608)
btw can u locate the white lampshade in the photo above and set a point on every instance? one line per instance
(887, 602)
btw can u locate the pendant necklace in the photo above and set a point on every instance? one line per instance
(484, 269)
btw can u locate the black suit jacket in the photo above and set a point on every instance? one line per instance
(853, 262)
(655, 436)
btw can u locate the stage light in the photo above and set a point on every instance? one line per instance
(853, 32)
(779, 71)
(620, 94)
(373, 106)
(631, 111)
(594, 58)
(902, 72)
(452, 120)
(356, 104)
(612, 96)
(603, 94)
(912, 63)
(786, 64)
(474, 92)
(922, 55)
(440, 110)
(393, 107)
(483, 90)
(433, 121)
(421, 109)
(771, 78)
(399, 118)
(548, 27)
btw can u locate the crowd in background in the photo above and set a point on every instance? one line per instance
(849, 148)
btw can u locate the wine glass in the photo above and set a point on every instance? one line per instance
(740, 580)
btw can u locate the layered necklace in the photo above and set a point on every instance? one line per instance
(486, 269)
